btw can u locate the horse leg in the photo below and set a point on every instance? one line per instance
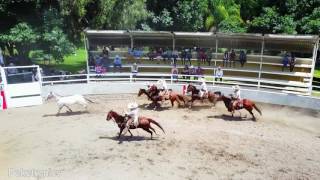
(153, 130)
(253, 117)
(146, 129)
(60, 107)
(121, 129)
(172, 102)
(68, 108)
(130, 132)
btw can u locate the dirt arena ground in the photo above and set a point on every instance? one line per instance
(202, 143)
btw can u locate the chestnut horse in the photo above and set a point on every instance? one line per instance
(211, 96)
(144, 123)
(246, 104)
(155, 99)
(173, 96)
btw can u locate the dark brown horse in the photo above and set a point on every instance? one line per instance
(155, 99)
(172, 96)
(246, 104)
(144, 123)
(211, 96)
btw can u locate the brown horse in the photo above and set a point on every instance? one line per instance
(246, 104)
(211, 96)
(172, 96)
(144, 123)
(155, 99)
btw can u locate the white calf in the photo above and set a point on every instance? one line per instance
(68, 100)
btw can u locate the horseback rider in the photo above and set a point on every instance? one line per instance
(236, 96)
(163, 86)
(203, 88)
(152, 89)
(132, 116)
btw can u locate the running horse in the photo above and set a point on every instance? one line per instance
(172, 96)
(155, 99)
(211, 96)
(246, 104)
(144, 123)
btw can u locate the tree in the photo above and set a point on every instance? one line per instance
(55, 41)
(20, 38)
(270, 21)
(311, 24)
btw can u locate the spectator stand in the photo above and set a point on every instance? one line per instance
(263, 55)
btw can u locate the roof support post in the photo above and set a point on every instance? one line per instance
(86, 45)
(131, 41)
(261, 59)
(314, 58)
(216, 55)
(173, 42)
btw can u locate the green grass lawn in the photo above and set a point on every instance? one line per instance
(71, 63)
(317, 73)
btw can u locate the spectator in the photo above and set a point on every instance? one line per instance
(134, 71)
(105, 51)
(185, 71)
(226, 58)
(192, 71)
(189, 56)
(209, 56)
(199, 72)
(12, 70)
(285, 61)
(292, 62)
(175, 55)
(202, 56)
(183, 56)
(242, 58)
(1, 58)
(218, 74)
(174, 73)
(117, 63)
(232, 58)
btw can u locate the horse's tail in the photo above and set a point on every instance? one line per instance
(256, 108)
(88, 100)
(157, 124)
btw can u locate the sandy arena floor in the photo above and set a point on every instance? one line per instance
(202, 143)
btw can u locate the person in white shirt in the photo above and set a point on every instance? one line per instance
(203, 87)
(236, 96)
(132, 116)
(163, 86)
(219, 74)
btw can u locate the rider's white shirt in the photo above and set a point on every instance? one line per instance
(236, 94)
(134, 115)
(163, 84)
(203, 86)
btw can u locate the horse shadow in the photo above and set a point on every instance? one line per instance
(200, 107)
(150, 107)
(230, 118)
(73, 113)
(128, 138)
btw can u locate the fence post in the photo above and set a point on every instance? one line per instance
(171, 78)
(130, 77)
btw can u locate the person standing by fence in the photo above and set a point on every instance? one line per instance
(218, 74)
(226, 59)
(242, 58)
(134, 71)
(292, 62)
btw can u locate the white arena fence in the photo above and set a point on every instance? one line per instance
(228, 81)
